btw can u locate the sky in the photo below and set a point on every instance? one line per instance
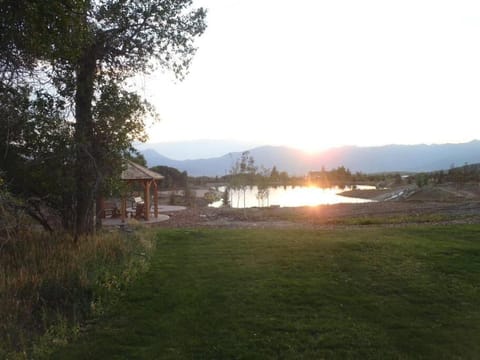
(314, 74)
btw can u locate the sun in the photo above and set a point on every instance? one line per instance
(311, 145)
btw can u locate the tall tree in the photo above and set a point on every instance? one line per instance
(242, 175)
(121, 38)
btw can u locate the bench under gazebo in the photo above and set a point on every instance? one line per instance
(135, 173)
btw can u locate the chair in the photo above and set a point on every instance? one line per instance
(138, 205)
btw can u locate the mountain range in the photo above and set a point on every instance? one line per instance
(388, 158)
(203, 149)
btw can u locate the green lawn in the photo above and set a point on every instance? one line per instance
(290, 294)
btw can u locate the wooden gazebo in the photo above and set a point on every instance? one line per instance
(135, 173)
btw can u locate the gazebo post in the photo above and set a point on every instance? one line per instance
(147, 199)
(155, 199)
(100, 207)
(123, 208)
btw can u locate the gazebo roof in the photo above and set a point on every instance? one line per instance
(138, 172)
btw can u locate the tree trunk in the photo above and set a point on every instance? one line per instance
(85, 171)
(100, 211)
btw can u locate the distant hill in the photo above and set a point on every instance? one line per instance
(408, 158)
(204, 149)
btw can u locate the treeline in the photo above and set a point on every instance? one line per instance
(173, 178)
(456, 175)
(340, 176)
(246, 172)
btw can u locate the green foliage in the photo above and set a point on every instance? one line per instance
(36, 142)
(463, 174)
(421, 180)
(137, 158)
(11, 215)
(226, 198)
(174, 179)
(263, 181)
(274, 174)
(119, 120)
(457, 175)
(334, 177)
(32, 30)
(242, 175)
(396, 293)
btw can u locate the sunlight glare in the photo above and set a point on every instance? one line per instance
(289, 196)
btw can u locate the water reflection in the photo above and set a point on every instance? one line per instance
(289, 196)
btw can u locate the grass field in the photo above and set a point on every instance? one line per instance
(363, 293)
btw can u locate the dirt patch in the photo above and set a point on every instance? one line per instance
(437, 194)
(448, 193)
(375, 213)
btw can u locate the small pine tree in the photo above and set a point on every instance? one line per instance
(226, 198)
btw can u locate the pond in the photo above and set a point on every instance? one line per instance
(290, 196)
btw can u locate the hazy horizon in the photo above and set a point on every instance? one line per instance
(326, 74)
(209, 148)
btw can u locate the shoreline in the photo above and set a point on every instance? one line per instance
(381, 194)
